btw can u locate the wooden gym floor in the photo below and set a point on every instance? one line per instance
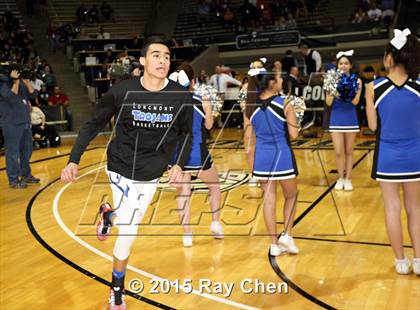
(50, 257)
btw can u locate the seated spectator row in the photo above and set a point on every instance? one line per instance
(118, 18)
(374, 11)
(17, 52)
(209, 17)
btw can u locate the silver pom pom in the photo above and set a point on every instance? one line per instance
(242, 98)
(331, 79)
(209, 92)
(299, 106)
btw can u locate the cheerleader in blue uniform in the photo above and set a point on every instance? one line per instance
(344, 125)
(393, 110)
(199, 162)
(273, 120)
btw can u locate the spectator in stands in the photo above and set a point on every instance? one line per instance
(202, 78)
(49, 78)
(109, 57)
(359, 16)
(203, 11)
(387, 16)
(173, 42)
(101, 33)
(374, 13)
(35, 82)
(93, 14)
(214, 78)
(82, 14)
(41, 131)
(43, 96)
(266, 14)
(280, 24)
(288, 61)
(58, 98)
(291, 22)
(290, 83)
(37, 121)
(229, 18)
(52, 37)
(107, 12)
(136, 43)
(221, 79)
(313, 60)
(249, 14)
(301, 10)
(83, 35)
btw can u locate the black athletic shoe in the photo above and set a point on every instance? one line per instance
(30, 180)
(18, 185)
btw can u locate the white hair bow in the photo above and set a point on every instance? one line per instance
(346, 53)
(400, 38)
(180, 77)
(263, 60)
(256, 71)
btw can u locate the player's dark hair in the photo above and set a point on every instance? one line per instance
(151, 41)
(408, 56)
(256, 85)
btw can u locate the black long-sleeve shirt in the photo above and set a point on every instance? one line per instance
(148, 125)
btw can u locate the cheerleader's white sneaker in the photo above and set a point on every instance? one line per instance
(276, 250)
(187, 240)
(416, 266)
(288, 244)
(402, 266)
(348, 186)
(339, 185)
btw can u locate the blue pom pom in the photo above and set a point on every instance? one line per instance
(347, 87)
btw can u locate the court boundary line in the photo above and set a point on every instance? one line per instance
(350, 241)
(64, 259)
(295, 287)
(273, 261)
(108, 257)
(56, 156)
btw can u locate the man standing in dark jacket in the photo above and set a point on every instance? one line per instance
(153, 115)
(15, 122)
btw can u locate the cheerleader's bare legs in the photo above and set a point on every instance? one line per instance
(211, 179)
(183, 201)
(392, 203)
(338, 142)
(289, 188)
(349, 138)
(343, 146)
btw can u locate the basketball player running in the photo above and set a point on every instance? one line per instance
(199, 161)
(393, 110)
(273, 120)
(152, 114)
(344, 125)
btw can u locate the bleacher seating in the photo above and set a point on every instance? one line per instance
(130, 16)
(10, 5)
(188, 27)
